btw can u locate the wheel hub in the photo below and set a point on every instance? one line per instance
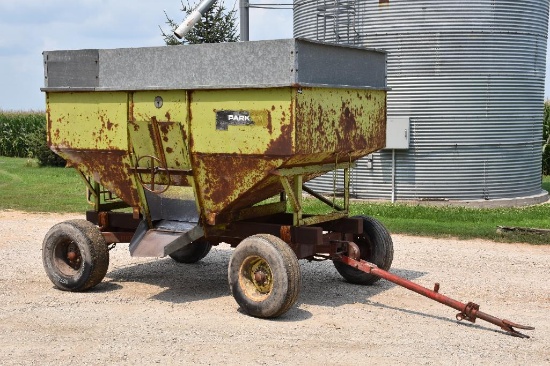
(260, 277)
(71, 256)
(256, 276)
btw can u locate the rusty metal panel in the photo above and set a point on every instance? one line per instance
(226, 182)
(340, 120)
(235, 166)
(158, 127)
(88, 120)
(268, 124)
(89, 130)
(232, 156)
(229, 163)
(111, 168)
(163, 105)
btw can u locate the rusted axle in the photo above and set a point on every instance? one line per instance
(469, 311)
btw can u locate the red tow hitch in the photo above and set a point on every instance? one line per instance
(469, 311)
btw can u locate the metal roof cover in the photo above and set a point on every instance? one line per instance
(259, 64)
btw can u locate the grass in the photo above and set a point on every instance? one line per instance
(455, 221)
(461, 222)
(27, 187)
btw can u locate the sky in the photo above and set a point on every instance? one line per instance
(28, 27)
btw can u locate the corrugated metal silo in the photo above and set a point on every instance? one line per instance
(467, 75)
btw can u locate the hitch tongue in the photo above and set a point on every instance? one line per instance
(509, 326)
(471, 312)
(468, 311)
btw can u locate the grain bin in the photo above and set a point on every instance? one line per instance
(467, 81)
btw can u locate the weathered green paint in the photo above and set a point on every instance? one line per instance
(270, 110)
(295, 132)
(88, 120)
(89, 130)
(347, 121)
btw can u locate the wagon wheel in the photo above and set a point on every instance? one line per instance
(375, 246)
(193, 252)
(75, 255)
(153, 170)
(264, 276)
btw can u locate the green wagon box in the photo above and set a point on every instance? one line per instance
(182, 148)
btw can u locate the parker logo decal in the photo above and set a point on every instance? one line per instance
(233, 118)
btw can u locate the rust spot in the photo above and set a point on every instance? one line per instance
(269, 122)
(282, 145)
(211, 218)
(134, 125)
(165, 127)
(109, 167)
(191, 142)
(167, 115)
(131, 107)
(273, 108)
(229, 181)
(347, 113)
(189, 101)
(285, 234)
(102, 135)
(349, 127)
(49, 118)
(169, 150)
(183, 133)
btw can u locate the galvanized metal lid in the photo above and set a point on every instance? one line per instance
(259, 64)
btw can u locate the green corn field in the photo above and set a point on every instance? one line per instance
(16, 129)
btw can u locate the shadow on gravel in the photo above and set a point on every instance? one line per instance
(106, 286)
(425, 315)
(293, 315)
(323, 286)
(207, 279)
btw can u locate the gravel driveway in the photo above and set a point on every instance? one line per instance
(150, 311)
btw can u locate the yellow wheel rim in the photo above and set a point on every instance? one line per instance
(256, 278)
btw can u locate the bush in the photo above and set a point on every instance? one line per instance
(38, 148)
(23, 134)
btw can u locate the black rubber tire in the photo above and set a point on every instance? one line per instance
(192, 253)
(275, 294)
(75, 255)
(375, 246)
